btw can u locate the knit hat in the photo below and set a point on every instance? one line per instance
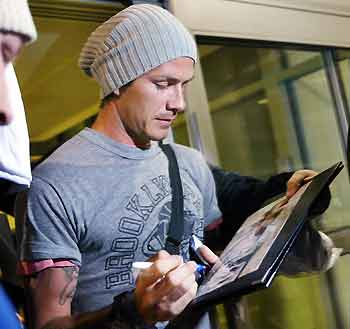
(15, 17)
(133, 42)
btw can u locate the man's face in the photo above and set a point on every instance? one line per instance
(10, 46)
(149, 105)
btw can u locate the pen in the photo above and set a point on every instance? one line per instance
(195, 244)
(144, 265)
(202, 266)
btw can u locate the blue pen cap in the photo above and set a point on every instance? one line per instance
(201, 271)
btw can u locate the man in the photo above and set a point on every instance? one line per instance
(103, 199)
(16, 29)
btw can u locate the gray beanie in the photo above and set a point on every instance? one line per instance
(133, 42)
(15, 17)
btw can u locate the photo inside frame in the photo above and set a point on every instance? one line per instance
(250, 245)
(253, 257)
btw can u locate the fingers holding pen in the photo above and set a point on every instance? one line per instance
(173, 303)
(177, 282)
(165, 288)
(208, 254)
(162, 263)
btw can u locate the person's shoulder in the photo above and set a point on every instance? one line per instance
(60, 162)
(188, 157)
(185, 151)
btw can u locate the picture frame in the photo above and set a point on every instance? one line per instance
(254, 255)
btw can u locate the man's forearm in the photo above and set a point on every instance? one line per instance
(51, 292)
(101, 319)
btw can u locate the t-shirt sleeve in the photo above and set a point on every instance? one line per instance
(49, 231)
(211, 209)
(205, 180)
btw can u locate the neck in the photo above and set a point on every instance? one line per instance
(109, 123)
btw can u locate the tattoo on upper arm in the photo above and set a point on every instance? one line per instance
(71, 276)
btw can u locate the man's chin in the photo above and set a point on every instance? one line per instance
(158, 137)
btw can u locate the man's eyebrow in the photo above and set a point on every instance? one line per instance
(172, 79)
(189, 80)
(178, 80)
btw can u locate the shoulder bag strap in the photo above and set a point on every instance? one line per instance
(176, 225)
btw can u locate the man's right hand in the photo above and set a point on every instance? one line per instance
(166, 288)
(162, 292)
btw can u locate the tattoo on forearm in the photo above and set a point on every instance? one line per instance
(71, 275)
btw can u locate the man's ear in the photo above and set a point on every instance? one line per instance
(109, 98)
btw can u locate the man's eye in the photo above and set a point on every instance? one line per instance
(161, 84)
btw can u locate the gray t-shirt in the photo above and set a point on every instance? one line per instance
(103, 205)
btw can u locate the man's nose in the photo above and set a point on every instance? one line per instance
(176, 102)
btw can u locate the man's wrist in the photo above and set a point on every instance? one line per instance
(124, 310)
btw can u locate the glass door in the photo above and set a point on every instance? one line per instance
(271, 110)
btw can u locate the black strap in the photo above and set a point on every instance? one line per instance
(176, 225)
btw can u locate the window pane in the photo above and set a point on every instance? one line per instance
(51, 79)
(343, 58)
(179, 130)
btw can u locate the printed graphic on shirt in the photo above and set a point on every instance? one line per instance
(155, 240)
(142, 229)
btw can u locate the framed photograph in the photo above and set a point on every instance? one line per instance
(252, 259)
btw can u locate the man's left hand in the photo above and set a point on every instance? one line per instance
(298, 179)
(301, 177)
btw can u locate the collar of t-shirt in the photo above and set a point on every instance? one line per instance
(123, 150)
